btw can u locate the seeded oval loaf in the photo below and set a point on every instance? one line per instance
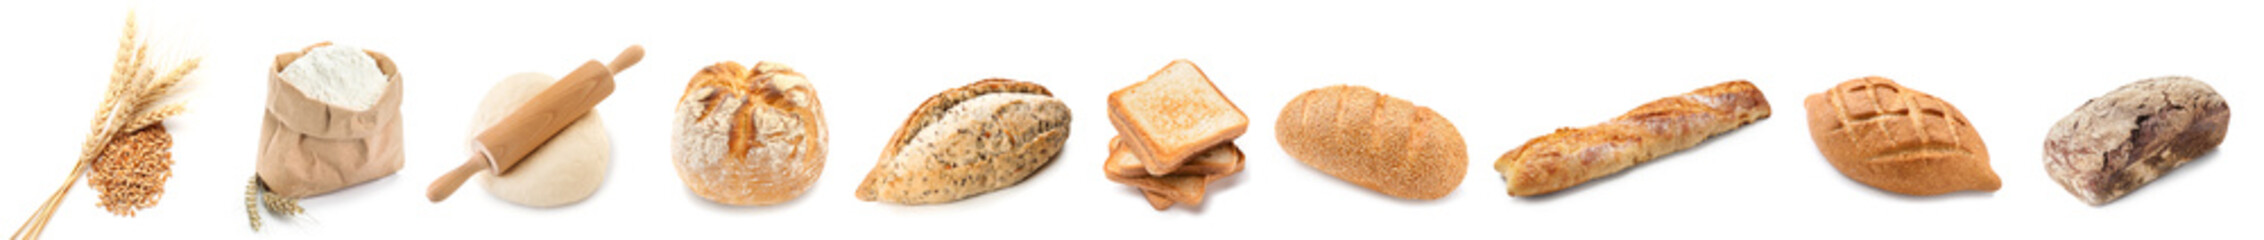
(749, 136)
(565, 170)
(967, 141)
(1900, 140)
(1373, 140)
(2119, 142)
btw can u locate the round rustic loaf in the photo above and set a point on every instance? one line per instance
(2116, 143)
(749, 136)
(565, 170)
(1373, 140)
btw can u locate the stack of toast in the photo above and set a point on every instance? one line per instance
(1175, 135)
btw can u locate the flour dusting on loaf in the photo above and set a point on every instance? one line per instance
(749, 136)
(2116, 143)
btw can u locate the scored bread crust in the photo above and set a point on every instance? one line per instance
(1897, 139)
(1374, 140)
(967, 141)
(1165, 119)
(1571, 156)
(2121, 141)
(749, 136)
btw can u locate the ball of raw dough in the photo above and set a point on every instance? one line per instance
(564, 170)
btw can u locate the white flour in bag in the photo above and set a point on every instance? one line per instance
(339, 75)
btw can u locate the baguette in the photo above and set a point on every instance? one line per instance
(968, 141)
(1571, 156)
(1174, 114)
(1375, 141)
(1897, 139)
(2116, 143)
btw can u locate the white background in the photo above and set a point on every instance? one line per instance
(1503, 72)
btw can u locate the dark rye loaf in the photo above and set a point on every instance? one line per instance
(2118, 142)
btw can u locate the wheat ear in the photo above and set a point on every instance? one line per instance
(157, 88)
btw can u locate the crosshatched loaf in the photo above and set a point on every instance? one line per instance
(1897, 139)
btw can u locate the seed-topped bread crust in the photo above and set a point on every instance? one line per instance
(967, 141)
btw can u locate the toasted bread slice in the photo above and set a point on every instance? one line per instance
(1174, 114)
(1156, 200)
(1222, 159)
(1178, 187)
(1186, 189)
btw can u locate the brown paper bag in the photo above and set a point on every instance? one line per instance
(308, 147)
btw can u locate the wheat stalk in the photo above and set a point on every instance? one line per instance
(256, 195)
(133, 85)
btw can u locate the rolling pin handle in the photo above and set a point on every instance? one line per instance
(628, 57)
(448, 183)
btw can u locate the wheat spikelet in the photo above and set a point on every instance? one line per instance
(157, 115)
(120, 68)
(256, 196)
(163, 85)
(280, 205)
(251, 201)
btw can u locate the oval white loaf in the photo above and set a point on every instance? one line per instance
(565, 170)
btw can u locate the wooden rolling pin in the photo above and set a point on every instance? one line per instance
(502, 146)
